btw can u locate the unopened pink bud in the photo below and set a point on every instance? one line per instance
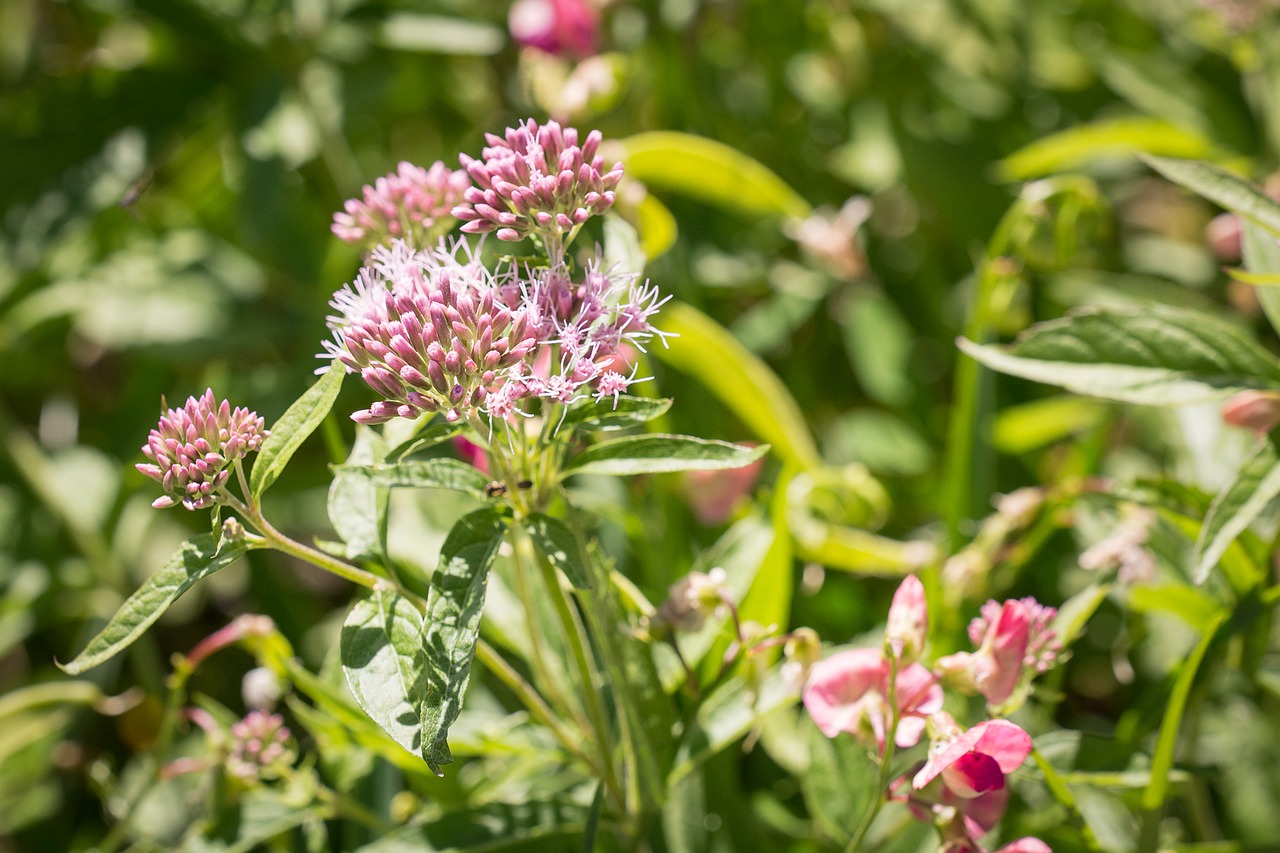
(1256, 410)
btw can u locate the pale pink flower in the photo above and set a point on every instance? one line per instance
(1255, 410)
(558, 27)
(848, 692)
(908, 624)
(537, 180)
(192, 449)
(1014, 639)
(411, 204)
(259, 746)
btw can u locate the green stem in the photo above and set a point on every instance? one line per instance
(886, 765)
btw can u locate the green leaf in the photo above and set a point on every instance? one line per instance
(1069, 149)
(441, 473)
(195, 560)
(1076, 611)
(710, 171)
(593, 415)
(454, 605)
(657, 454)
(430, 436)
(1154, 356)
(490, 828)
(556, 542)
(744, 383)
(358, 507)
(1262, 257)
(1030, 426)
(410, 31)
(1255, 279)
(382, 656)
(288, 433)
(1188, 603)
(656, 225)
(1222, 188)
(1240, 502)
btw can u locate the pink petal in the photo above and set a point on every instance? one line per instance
(908, 619)
(972, 774)
(1025, 845)
(1008, 744)
(837, 683)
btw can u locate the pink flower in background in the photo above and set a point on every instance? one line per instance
(1256, 410)
(848, 692)
(713, 495)
(908, 620)
(1012, 639)
(411, 203)
(471, 453)
(558, 27)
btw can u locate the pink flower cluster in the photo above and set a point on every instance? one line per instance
(411, 203)
(191, 448)
(539, 181)
(259, 745)
(437, 331)
(885, 695)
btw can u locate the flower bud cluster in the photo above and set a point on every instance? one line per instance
(427, 331)
(411, 203)
(1015, 643)
(692, 600)
(1125, 549)
(537, 180)
(191, 448)
(259, 746)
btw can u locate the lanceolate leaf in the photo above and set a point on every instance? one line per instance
(423, 474)
(453, 624)
(606, 414)
(382, 656)
(1255, 485)
(358, 507)
(553, 538)
(198, 558)
(288, 433)
(1230, 191)
(656, 454)
(1157, 356)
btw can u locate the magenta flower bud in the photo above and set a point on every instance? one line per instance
(908, 624)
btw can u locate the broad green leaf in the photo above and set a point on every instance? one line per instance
(838, 785)
(1188, 603)
(1240, 502)
(744, 383)
(1223, 188)
(556, 542)
(440, 473)
(195, 560)
(710, 171)
(727, 715)
(25, 699)
(357, 506)
(593, 415)
(1262, 257)
(768, 601)
(656, 225)
(454, 605)
(382, 656)
(1030, 426)
(1158, 356)
(1075, 613)
(288, 433)
(1069, 149)
(622, 250)
(657, 454)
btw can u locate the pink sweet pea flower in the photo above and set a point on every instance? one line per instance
(976, 761)
(848, 692)
(908, 620)
(1012, 638)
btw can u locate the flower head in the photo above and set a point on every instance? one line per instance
(259, 746)
(191, 448)
(557, 27)
(537, 180)
(908, 620)
(411, 203)
(849, 692)
(1014, 643)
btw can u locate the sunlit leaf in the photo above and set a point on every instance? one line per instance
(607, 414)
(357, 506)
(556, 542)
(293, 428)
(416, 32)
(1223, 188)
(454, 606)
(1240, 502)
(657, 454)
(1082, 144)
(198, 558)
(1156, 356)
(382, 656)
(440, 473)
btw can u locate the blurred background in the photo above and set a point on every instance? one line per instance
(169, 170)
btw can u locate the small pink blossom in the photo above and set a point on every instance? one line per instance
(908, 620)
(1014, 640)
(848, 692)
(1255, 410)
(976, 761)
(557, 27)
(411, 203)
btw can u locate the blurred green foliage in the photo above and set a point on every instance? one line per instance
(168, 172)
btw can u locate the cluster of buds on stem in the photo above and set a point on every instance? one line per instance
(412, 204)
(192, 448)
(539, 181)
(259, 746)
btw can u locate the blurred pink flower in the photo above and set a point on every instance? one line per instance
(471, 453)
(848, 692)
(558, 27)
(713, 495)
(976, 761)
(908, 620)
(1012, 638)
(1256, 410)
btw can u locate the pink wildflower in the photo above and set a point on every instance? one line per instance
(1255, 410)
(192, 448)
(411, 203)
(848, 692)
(713, 495)
(1014, 640)
(557, 27)
(908, 624)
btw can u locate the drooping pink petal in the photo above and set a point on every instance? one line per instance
(835, 686)
(998, 664)
(1004, 741)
